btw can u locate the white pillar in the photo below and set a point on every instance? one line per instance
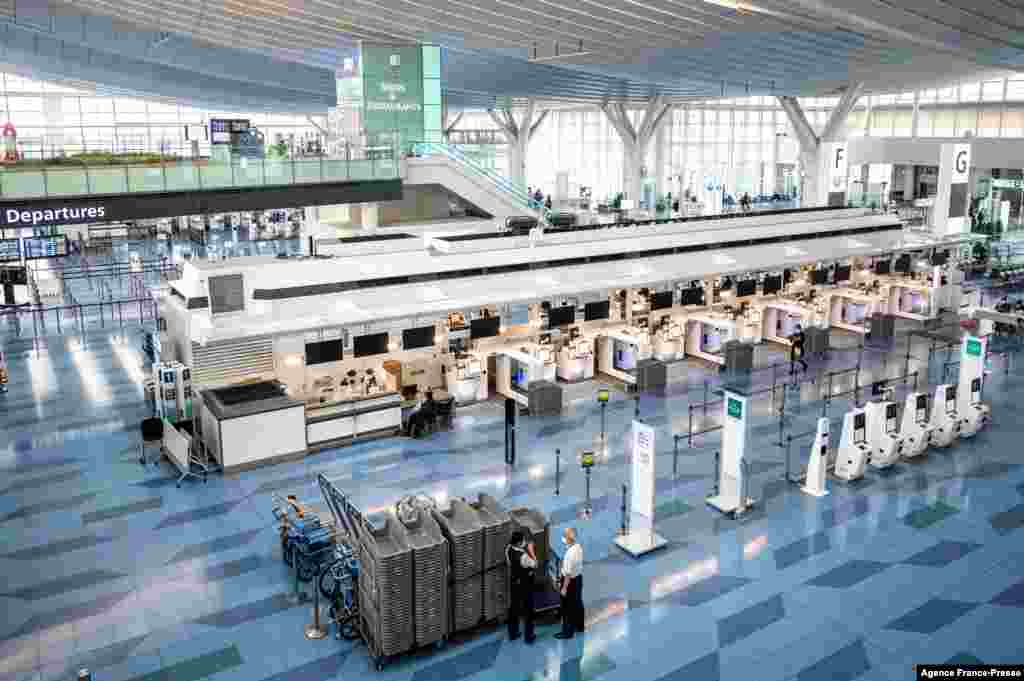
(908, 183)
(371, 217)
(949, 215)
(661, 161)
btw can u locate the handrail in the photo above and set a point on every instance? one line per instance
(501, 182)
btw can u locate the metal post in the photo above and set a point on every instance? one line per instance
(625, 517)
(689, 428)
(558, 470)
(789, 468)
(675, 456)
(718, 464)
(315, 632)
(589, 506)
(705, 399)
(604, 407)
(636, 406)
(299, 595)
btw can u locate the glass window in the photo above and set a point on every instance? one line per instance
(902, 122)
(1013, 123)
(905, 98)
(135, 109)
(947, 94)
(885, 100)
(855, 123)
(926, 96)
(924, 123)
(992, 91)
(969, 92)
(966, 121)
(1015, 89)
(988, 123)
(18, 84)
(96, 105)
(881, 123)
(944, 123)
(25, 103)
(159, 112)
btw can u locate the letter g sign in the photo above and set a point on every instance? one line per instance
(961, 162)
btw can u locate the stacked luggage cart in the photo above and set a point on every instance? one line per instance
(428, 571)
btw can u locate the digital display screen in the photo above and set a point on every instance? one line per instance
(44, 247)
(883, 266)
(661, 300)
(324, 351)
(922, 402)
(747, 287)
(891, 411)
(902, 264)
(693, 296)
(227, 293)
(819, 276)
(370, 344)
(484, 328)
(13, 275)
(859, 421)
(10, 250)
(561, 316)
(772, 284)
(859, 428)
(940, 258)
(843, 273)
(595, 311)
(951, 393)
(419, 337)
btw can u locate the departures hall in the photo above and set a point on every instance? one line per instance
(490, 340)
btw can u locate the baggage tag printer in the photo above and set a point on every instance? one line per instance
(915, 429)
(817, 464)
(946, 423)
(853, 446)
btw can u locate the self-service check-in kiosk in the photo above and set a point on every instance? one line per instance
(884, 439)
(853, 446)
(817, 464)
(731, 496)
(973, 414)
(946, 423)
(915, 428)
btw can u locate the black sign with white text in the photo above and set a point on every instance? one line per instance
(970, 671)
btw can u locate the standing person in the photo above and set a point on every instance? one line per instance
(521, 559)
(796, 349)
(547, 202)
(572, 586)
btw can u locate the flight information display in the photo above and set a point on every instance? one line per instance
(10, 250)
(44, 247)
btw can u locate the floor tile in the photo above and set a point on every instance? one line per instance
(931, 616)
(1008, 521)
(744, 623)
(848, 574)
(460, 665)
(705, 669)
(929, 515)
(801, 549)
(942, 554)
(1013, 597)
(123, 510)
(846, 664)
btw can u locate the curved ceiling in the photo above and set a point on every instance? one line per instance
(582, 50)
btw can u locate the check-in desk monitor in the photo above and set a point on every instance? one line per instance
(747, 287)
(921, 409)
(819, 277)
(561, 316)
(693, 296)
(772, 284)
(842, 273)
(484, 328)
(661, 300)
(370, 344)
(891, 418)
(951, 399)
(883, 266)
(595, 311)
(419, 337)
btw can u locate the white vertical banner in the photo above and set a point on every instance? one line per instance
(643, 472)
(833, 173)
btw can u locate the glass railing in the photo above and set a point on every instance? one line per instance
(517, 194)
(63, 178)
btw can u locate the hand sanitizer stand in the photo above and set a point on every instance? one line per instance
(641, 537)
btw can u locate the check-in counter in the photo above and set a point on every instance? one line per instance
(911, 300)
(353, 418)
(617, 355)
(249, 425)
(780, 319)
(667, 342)
(515, 372)
(466, 379)
(706, 334)
(849, 308)
(576, 361)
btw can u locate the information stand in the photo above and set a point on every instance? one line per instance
(731, 494)
(641, 537)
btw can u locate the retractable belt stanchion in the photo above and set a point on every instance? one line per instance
(315, 631)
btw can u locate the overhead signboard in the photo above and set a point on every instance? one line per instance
(222, 129)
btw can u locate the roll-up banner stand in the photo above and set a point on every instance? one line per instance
(641, 537)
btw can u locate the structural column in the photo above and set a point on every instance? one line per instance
(518, 135)
(636, 140)
(823, 159)
(949, 212)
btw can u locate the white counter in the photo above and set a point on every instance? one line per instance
(353, 418)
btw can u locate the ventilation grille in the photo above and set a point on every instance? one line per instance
(231, 361)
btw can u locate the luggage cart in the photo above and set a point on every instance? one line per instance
(307, 537)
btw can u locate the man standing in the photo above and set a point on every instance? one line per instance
(572, 586)
(522, 560)
(796, 350)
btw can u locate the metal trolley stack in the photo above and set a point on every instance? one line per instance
(430, 573)
(497, 531)
(385, 587)
(460, 523)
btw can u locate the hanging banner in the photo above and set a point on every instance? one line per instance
(643, 471)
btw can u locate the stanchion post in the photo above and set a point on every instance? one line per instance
(625, 519)
(675, 456)
(705, 399)
(299, 596)
(636, 400)
(315, 632)
(558, 470)
(689, 428)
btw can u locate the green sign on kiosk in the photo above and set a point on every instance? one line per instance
(734, 408)
(587, 459)
(973, 347)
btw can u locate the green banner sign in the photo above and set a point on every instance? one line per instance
(734, 408)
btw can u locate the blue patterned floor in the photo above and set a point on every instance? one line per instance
(107, 565)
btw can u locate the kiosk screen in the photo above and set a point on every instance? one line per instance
(891, 415)
(484, 328)
(595, 311)
(370, 344)
(419, 337)
(772, 284)
(921, 406)
(842, 273)
(951, 399)
(561, 316)
(661, 300)
(324, 351)
(859, 428)
(975, 386)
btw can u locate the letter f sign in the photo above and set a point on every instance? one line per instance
(839, 156)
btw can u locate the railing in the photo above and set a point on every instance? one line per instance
(67, 177)
(30, 321)
(517, 194)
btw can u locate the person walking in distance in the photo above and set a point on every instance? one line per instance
(796, 350)
(571, 586)
(522, 560)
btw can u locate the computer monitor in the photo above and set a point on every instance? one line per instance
(693, 296)
(595, 311)
(902, 264)
(772, 284)
(859, 428)
(842, 273)
(661, 300)
(484, 327)
(561, 316)
(883, 266)
(418, 337)
(940, 258)
(747, 287)
(370, 344)
(323, 352)
(819, 277)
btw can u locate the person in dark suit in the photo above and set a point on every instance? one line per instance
(522, 561)
(796, 350)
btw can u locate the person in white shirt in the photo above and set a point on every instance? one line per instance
(522, 559)
(571, 586)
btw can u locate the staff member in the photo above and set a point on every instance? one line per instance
(572, 586)
(522, 559)
(796, 349)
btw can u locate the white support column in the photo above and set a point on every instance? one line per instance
(823, 159)
(518, 135)
(636, 141)
(949, 213)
